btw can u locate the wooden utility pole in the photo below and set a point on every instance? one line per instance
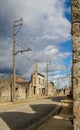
(47, 89)
(47, 78)
(14, 57)
(17, 23)
(36, 66)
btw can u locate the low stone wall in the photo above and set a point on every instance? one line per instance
(5, 99)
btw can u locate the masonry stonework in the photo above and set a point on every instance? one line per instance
(76, 61)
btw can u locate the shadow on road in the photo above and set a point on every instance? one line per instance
(18, 120)
(58, 98)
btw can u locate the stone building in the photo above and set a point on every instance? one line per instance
(6, 89)
(36, 87)
(76, 62)
(68, 91)
(39, 87)
(23, 90)
(51, 90)
(38, 84)
(64, 92)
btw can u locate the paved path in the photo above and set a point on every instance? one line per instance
(17, 116)
(61, 121)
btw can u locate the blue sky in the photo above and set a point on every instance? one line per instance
(46, 30)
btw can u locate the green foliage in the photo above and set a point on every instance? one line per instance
(52, 83)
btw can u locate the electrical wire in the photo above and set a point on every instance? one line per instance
(21, 47)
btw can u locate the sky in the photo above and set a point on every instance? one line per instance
(46, 30)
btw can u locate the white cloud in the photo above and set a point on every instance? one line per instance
(64, 55)
(51, 50)
(43, 18)
(44, 27)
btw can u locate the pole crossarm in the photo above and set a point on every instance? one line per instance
(18, 23)
(20, 20)
(21, 51)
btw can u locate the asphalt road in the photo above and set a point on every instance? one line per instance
(22, 115)
(61, 121)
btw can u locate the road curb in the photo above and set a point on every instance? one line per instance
(44, 119)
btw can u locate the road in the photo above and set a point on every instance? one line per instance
(61, 121)
(17, 116)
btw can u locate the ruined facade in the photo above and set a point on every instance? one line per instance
(76, 62)
(38, 84)
(51, 91)
(36, 87)
(6, 89)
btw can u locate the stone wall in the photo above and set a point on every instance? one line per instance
(5, 91)
(76, 61)
(51, 90)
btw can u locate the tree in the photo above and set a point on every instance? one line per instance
(52, 83)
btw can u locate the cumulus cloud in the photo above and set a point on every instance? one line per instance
(51, 50)
(44, 28)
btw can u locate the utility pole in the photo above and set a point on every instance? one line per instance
(36, 66)
(17, 23)
(47, 89)
(67, 76)
(58, 84)
(47, 79)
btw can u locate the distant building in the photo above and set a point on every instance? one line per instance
(38, 84)
(51, 90)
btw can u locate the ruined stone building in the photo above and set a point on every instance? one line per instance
(76, 62)
(6, 89)
(38, 84)
(36, 87)
(51, 90)
(40, 87)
